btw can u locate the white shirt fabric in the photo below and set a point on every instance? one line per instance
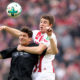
(45, 69)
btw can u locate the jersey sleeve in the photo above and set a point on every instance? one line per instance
(7, 53)
(34, 34)
(46, 41)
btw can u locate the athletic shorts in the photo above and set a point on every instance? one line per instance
(43, 76)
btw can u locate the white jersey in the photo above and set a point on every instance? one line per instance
(45, 63)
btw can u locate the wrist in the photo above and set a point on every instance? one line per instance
(50, 37)
(23, 48)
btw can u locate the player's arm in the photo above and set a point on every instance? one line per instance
(14, 32)
(52, 49)
(34, 50)
(53, 46)
(7, 53)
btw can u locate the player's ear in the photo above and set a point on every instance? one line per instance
(50, 25)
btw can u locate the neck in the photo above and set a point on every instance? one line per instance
(25, 44)
(42, 32)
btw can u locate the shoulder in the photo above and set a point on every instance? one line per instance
(35, 31)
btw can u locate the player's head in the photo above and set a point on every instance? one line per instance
(46, 21)
(26, 36)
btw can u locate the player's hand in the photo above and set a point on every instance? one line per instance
(2, 28)
(49, 31)
(20, 48)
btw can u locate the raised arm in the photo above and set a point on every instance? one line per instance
(52, 49)
(14, 32)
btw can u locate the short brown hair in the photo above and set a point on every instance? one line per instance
(49, 18)
(27, 30)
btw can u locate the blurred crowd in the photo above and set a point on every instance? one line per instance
(66, 28)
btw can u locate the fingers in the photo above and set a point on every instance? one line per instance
(49, 31)
(19, 48)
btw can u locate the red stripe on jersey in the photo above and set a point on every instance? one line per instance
(52, 66)
(41, 57)
(38, 35)
(35, 68)
(41, 37)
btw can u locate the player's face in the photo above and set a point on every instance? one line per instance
(43, 24)
(24, 39)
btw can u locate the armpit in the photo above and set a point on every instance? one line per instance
(49, 51)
